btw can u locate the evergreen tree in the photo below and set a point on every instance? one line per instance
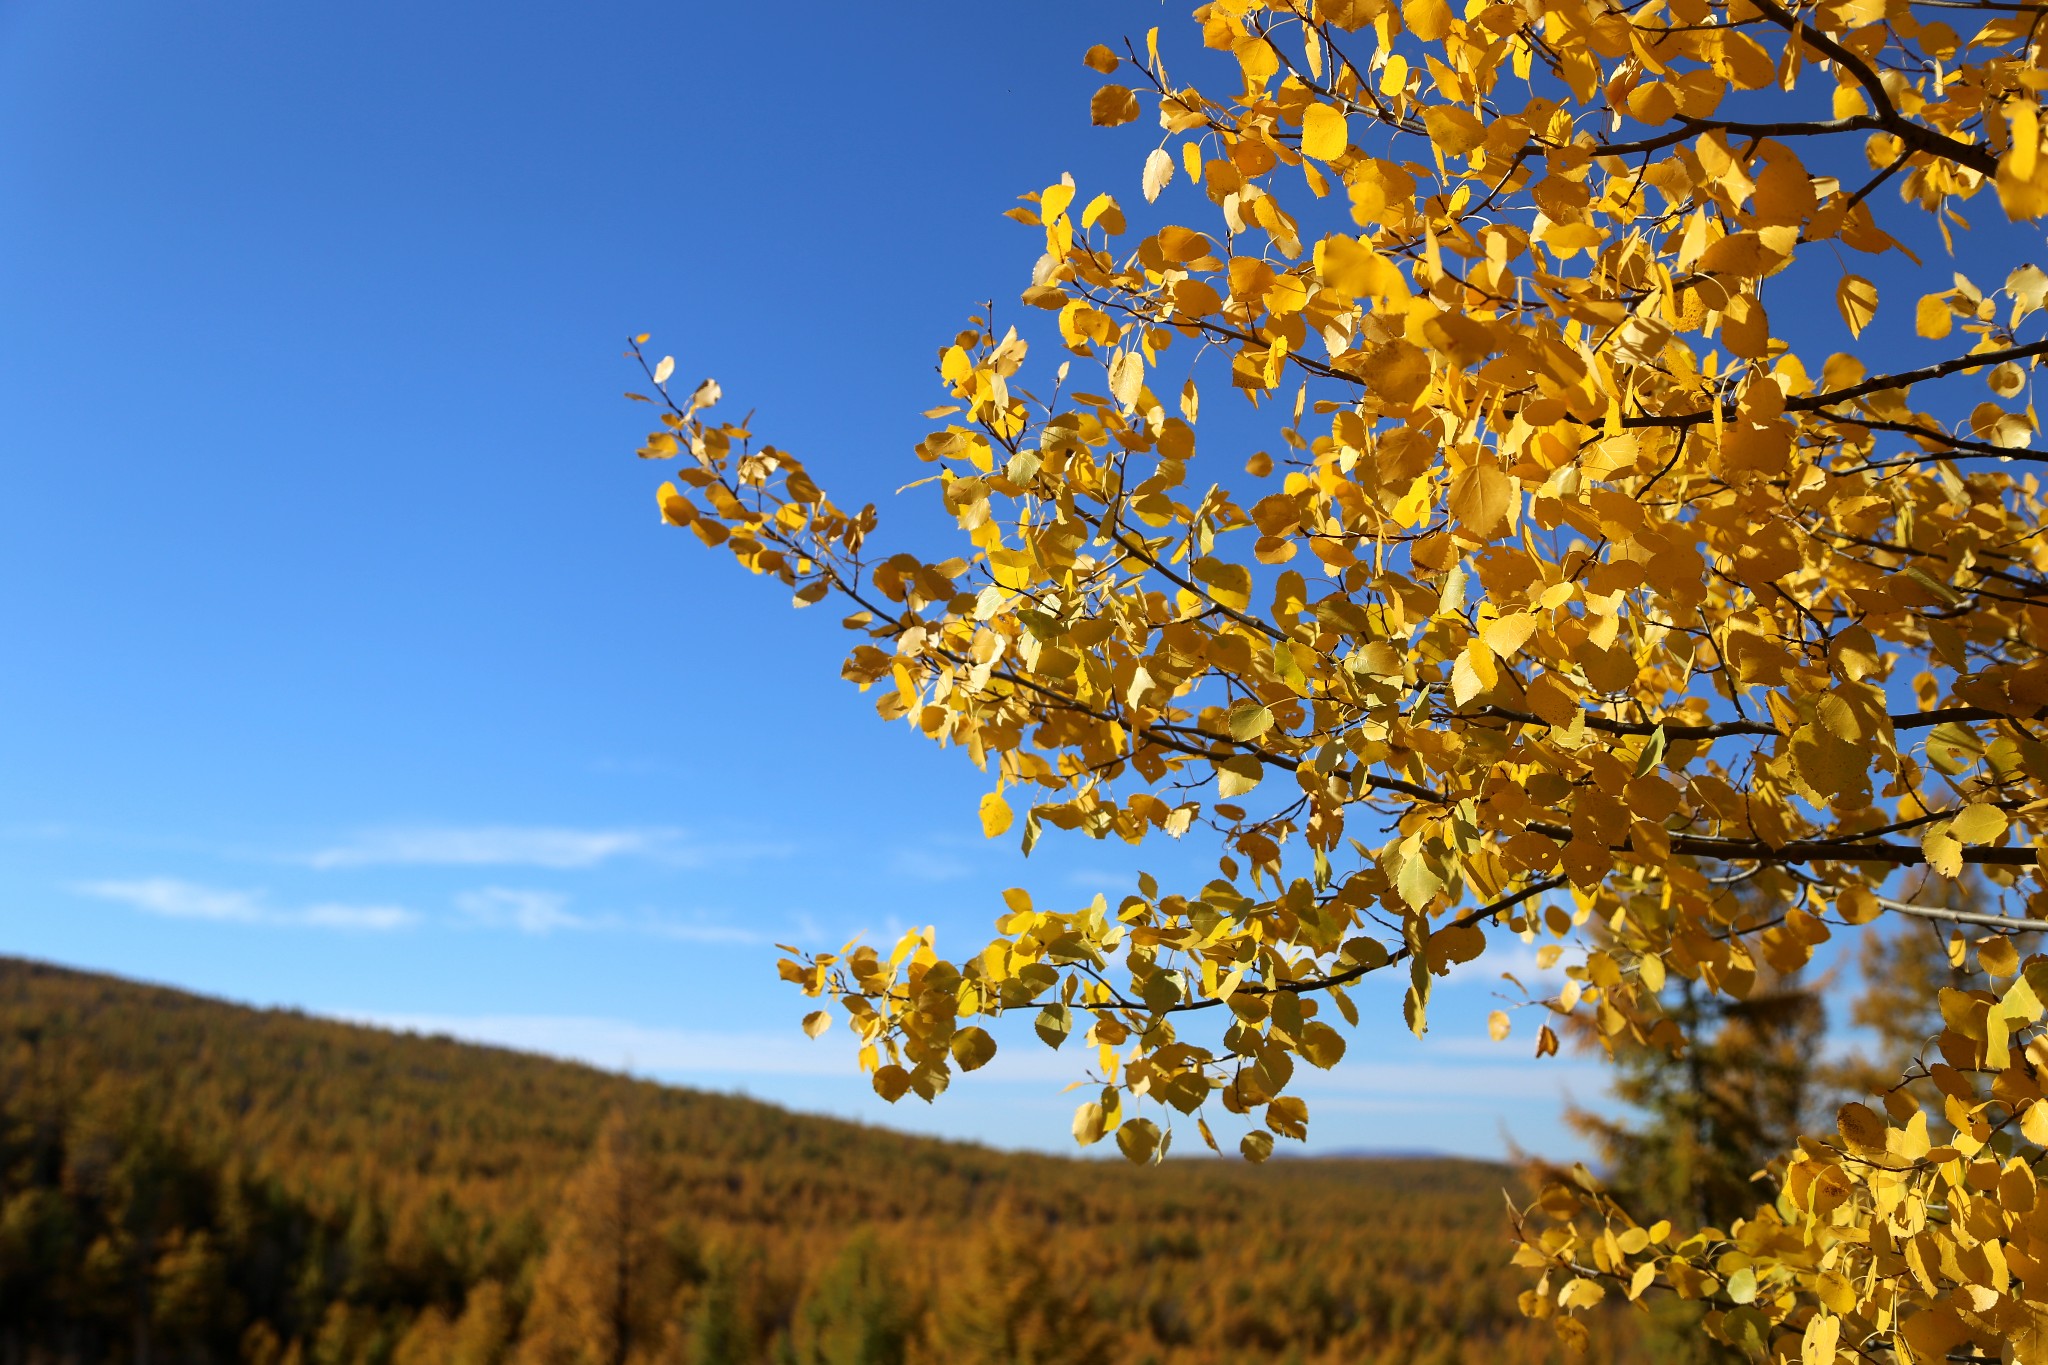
(718, 1331)
(855, 1314)
(1716, 1104)
(1717, 1093)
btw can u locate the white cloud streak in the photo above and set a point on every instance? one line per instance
(174, 899)
(545, 912)
(506, 846)
(530, 912)
(618, 1045)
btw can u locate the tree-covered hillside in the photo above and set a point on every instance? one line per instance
(187, 1180)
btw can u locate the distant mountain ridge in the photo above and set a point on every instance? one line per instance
(183, 1179)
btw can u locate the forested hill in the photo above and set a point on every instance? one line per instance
(187, 1180)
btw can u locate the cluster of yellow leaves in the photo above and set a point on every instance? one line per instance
(1889, 1238)
(1567, 592)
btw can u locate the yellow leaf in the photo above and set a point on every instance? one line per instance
(1932, 316)
(1498, 1025)
(995, 814)
(1055, 201)
(1127, 378)
(1089, 1124)
(1978, 823)
(2034, 1123)
(1454, 131)
(1817, 1345)
(1474, 673)
(1322, 1045)
(1325, 133)
(972, 1048)
(1103, 209)
(1237, 775)
(1428, 20)
(1944, 852)
(1862, 1128)
(1139, 1141)
(1856, 297)
(891, 1082)
(2028, 286)
(1479, 499)
(676, 509)
(1505, 635)
(1100, 58)
(816, 1022)
(1249, 720)
(1113, 105)
(1158, 173)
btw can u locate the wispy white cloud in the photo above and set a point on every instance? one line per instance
(530, 912)
(176, 899)
(544, 912)
(619, 1045)
(1442, 1078)
(507, 846)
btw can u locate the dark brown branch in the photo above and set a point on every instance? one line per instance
(1471, 917)
(1977, 158)
(1906, 720)
(1807, 850)
(1816, 402)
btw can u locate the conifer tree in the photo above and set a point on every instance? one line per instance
(1713, 1111)
(1717, 1108)
(598, 1293)
(855, 1313)
(1008, 1306)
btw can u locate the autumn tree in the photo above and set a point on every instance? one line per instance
(1711, 1103)
(857, 1312)
(1719, 1091)
(598, 1295)
(1010, 1305)
(1584, 564)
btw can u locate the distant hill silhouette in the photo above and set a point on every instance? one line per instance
(183, 1179)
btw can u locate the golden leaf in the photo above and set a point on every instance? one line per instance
(972, 1048)
(1428, 20)
(1113, 105)
(1856, 298)
(1978, 823)
(1479, 499)
(1931, 316)
(995, 814)
(1325, 134)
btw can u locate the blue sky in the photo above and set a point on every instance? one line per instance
(348, 664)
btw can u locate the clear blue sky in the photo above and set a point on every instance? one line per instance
(347, 664)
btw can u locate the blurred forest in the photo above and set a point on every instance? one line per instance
(183, 1180)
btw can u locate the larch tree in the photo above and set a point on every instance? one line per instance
(598, 1295)
(1612, 541)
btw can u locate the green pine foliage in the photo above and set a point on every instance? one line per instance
(183, 1180)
